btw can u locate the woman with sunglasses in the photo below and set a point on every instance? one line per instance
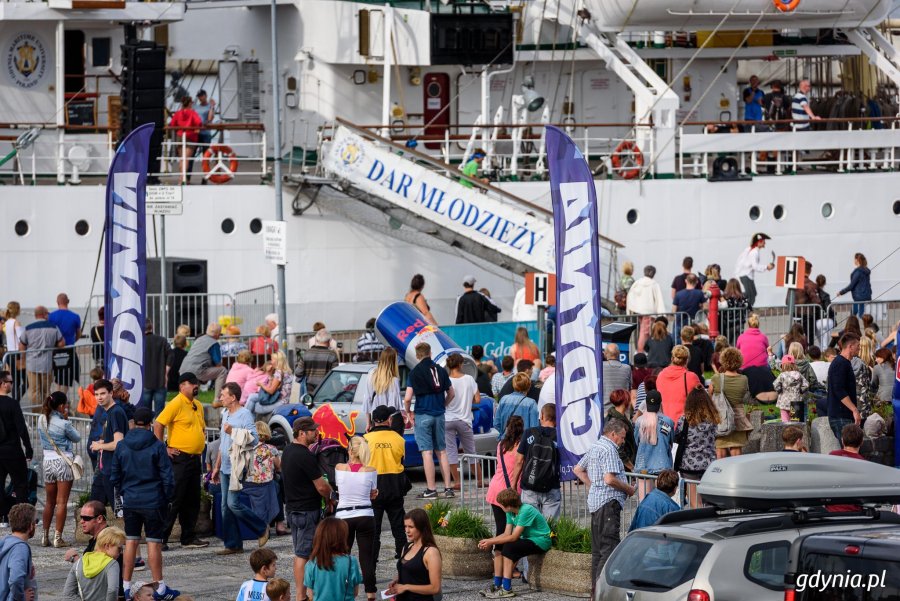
(58, 436)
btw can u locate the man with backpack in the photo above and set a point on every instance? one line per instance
(537, 462)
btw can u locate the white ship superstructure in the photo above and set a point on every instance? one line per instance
(651, 75)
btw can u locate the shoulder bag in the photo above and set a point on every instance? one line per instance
(76, 464)
(725, 410)
(681, 442)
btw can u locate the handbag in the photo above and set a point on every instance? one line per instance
(723, 407)
(76, 464)
(681, 444)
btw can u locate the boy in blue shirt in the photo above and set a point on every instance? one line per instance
(658, 502)
(263, 564)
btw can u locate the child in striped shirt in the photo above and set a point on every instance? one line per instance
(262, 562)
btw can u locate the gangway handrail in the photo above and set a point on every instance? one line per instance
(439, 166)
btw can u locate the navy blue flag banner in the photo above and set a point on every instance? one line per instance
(126, 261)
(579, 372)
(896, 402)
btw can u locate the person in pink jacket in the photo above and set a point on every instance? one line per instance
(244, 375)
(754, 345)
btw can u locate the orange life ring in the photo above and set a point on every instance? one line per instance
(786, 6)
(219, 172)
(627, 151)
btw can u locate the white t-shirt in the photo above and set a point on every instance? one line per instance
(464, 391)
(13, 332)
(820, 368)
(355, 490)
(548, 392)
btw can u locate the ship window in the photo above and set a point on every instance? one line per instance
(778, 212)
(82, 227)
(632, 216)
(897, 207)
(227, 225)
(255, 226)
(827, 210)
(101, 52)
(754, 213)
(22, 228)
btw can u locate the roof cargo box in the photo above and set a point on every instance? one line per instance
(769, 480)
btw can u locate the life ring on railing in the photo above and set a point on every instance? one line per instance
(217, 171)
(627, 152)
(786, 6)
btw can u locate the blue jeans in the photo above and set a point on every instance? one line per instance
(429, 432)
(837, 424)
(154, 399)
(859, 309)
(232, 511)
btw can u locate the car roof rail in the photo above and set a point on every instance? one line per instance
(688, 515)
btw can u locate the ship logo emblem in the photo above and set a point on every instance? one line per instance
(26, 60)
(350, 152)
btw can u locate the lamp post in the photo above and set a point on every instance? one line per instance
(279, 209)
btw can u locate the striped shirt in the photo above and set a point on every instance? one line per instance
(603, 458)
(253, 590)
(798, 111)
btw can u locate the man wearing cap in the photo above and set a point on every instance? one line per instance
(387, 449)
(234, 511)
(304, 489)
(602, 471)
(470, 306)
(142, 470)
(471, 168)
(183, 417)
(156, 369)
(749, 262)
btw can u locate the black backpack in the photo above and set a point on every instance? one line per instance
(329, 453)
(541, 471)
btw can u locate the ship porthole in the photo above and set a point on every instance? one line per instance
(754, 213)
(827, 210)
(227, 225)
(255, 226)
(897, 207)
(632, 216)
(82, 227)
(22, 228)
(778, 212)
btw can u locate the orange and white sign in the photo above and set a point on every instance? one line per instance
(540, 289)
(790, 272)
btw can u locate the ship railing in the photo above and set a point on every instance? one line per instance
(518, 152)
(67, 153)
(779, 147)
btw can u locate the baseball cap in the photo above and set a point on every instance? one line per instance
(761, 236)
(654, 401)
(382, 413)
(788, 360)
(143, 416)
(188, 377)
(305, 424)
(469, 280)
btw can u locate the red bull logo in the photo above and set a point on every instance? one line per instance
(332, 426)
(403, 334)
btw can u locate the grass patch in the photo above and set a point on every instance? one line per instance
(456, 522)
(569, 537)
(206, 396)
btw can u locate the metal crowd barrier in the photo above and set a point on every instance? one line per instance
(70, 367)
(473, 492)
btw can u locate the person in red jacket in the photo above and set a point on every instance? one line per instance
(186, 136)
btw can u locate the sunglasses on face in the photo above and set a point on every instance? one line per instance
(87, 518)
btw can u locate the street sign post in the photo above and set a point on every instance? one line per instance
(162, 201)
(275, 241)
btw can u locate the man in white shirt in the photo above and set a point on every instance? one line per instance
(749, 262)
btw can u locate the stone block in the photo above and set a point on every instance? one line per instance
(879, 450)
(770, 436)
(822, 439)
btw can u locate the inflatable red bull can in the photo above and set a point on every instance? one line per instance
(402, 326)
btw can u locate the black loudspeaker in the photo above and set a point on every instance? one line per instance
(725, 169)
(186, 283)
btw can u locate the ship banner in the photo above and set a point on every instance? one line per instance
(126, 261)
(483, 218)
(579, 372)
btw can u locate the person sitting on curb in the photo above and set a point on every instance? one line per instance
(527, 533)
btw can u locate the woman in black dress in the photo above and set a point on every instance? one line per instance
(419, 567)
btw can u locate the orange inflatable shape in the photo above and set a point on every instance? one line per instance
(332, 426)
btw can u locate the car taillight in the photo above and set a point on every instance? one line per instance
(790, 595)
(851, 550)
(698, 595)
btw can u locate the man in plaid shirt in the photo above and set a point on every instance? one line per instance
(602, 471)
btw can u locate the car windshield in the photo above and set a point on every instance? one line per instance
(655, 562)
(338, 387)
(826, 577)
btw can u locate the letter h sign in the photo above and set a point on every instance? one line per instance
(790, 272)
(540, 289)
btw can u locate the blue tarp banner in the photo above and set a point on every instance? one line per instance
(579, 371)
(496, 337)
(126, 261)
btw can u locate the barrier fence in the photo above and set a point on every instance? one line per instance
(476, 472)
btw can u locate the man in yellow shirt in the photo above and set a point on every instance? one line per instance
(183, 417)
(387, 450)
